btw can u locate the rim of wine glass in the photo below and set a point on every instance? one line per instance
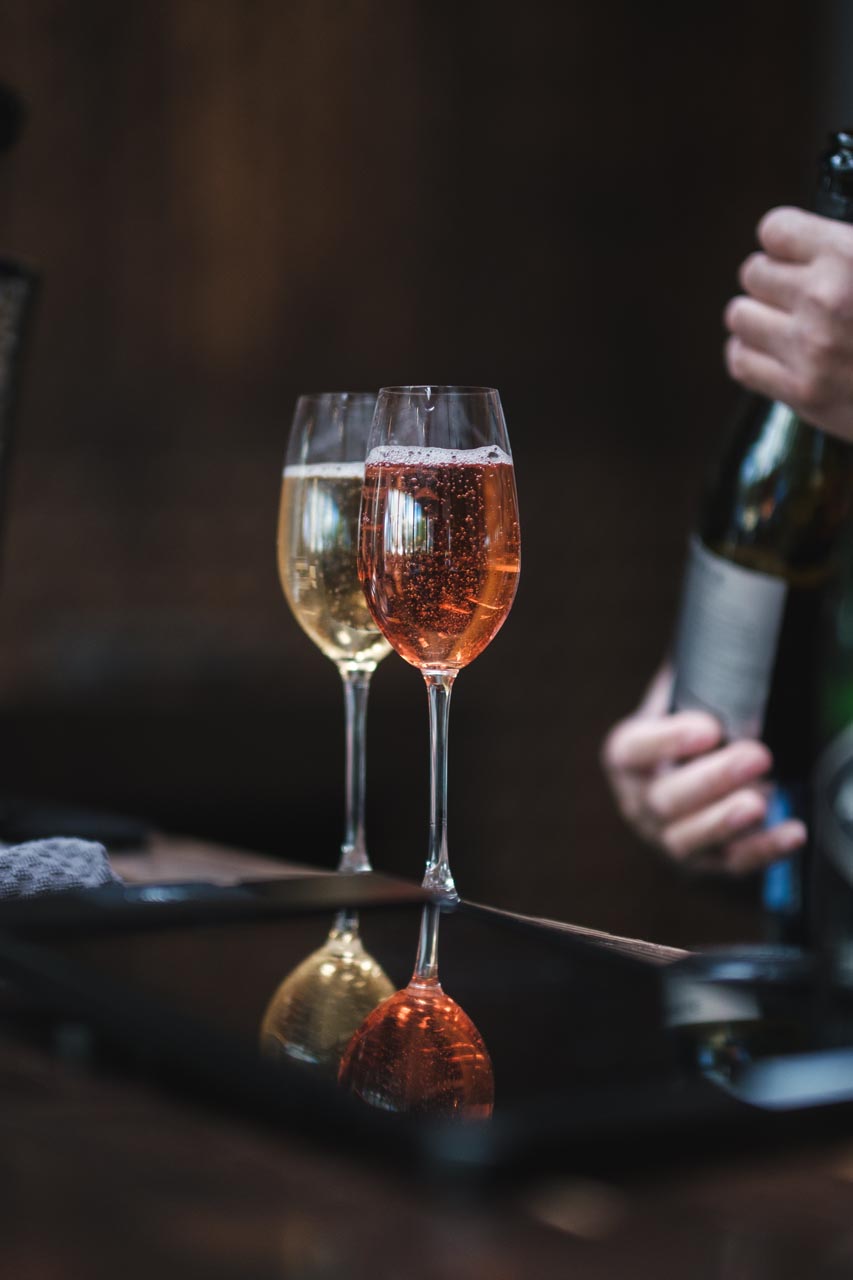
(431, 388)
(336, 395)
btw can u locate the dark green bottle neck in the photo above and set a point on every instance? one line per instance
(830, 204)
(782, 492)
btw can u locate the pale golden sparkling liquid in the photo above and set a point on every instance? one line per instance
(313, 1014)
(317, 558)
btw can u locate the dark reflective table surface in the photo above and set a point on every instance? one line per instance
(535, 1049)
(649, 1120)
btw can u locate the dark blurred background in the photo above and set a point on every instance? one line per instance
(232, 201)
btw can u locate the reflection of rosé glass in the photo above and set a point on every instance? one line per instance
(418, 1052)
(439, 550)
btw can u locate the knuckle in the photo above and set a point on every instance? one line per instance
(810, 388)
(827, 298)
(817, 345)
(838, 243)
(844, 252)
(774, 231)
(750, 270)
(658, 804)
(733, 314)
(735, 355)
(810, 365)
(611, 752)
(750, 756)
(830, 290)
(673, 844)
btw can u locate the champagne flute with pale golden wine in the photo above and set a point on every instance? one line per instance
(316, 1007)
(317, 563)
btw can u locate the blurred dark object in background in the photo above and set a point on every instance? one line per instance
(12, 117)
(23, 819)
(18, 290)
(236, 203)
(18, 293)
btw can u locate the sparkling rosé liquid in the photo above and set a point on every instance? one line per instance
(418, 1052)
(439, 550)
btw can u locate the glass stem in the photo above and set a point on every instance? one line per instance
(438, 877)
(426, 964)
(346, 921)
(354, 848)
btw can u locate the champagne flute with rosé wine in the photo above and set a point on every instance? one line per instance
(439, 551)
(439, 558)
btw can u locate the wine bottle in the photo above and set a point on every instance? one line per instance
(763, 554)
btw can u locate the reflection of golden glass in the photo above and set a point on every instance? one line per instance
(315, 1010)
(318, 1006)
(418, 1051)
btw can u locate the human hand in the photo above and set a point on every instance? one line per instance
(792, 334)
(699, 802)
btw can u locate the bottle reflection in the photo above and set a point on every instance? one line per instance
(734, 1007)
(419, 1052)
(317, 1007)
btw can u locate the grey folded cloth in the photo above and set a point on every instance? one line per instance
(52, 866)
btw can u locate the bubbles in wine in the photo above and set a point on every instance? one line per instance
(325, 471)
(419, 1053)
(393, 455)
(317, 1007)
(317, 554)
(439, 553)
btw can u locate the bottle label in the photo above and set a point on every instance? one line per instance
(726, 642)
(833, 812)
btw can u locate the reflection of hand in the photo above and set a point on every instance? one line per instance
(792, 336)
(696, 800)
